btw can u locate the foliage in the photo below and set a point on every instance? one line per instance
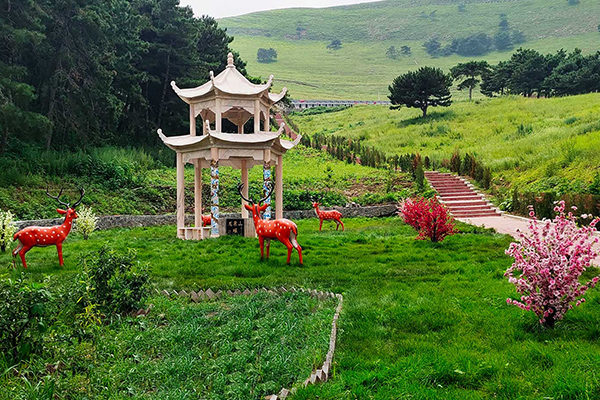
(266, 55)
(429, 217)
(421, 89)
(106, 72)
(116, 283)
(468, 74)
(392, 53)
(318, 110)
(335, 44)
(405, 50)
(86, 221)
(23, 317)
(549, 261)
(7, 229)
(529, 72)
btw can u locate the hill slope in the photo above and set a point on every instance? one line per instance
(360, 68)
(535, 143)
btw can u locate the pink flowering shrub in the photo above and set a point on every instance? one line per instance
(429, 217)
(549, 261)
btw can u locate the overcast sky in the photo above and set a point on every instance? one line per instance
(229, 8)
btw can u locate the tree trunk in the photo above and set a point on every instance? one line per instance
(470, 94)
(550, 320)
(424, 111)
(4, 141)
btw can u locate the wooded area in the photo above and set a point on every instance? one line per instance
(79, 73)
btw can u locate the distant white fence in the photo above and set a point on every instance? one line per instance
(304, 104)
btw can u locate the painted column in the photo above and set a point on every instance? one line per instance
(214, 193)
(245, 188)
(180, 197)
(279, 188)
(197, 194)
(267, 182)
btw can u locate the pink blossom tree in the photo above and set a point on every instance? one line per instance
(549, 261)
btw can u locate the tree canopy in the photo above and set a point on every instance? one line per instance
(469, 73)
(75, 73)
(424, 88)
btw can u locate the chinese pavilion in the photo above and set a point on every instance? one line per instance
(231, 96)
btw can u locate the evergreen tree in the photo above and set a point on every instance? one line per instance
(496, 79)
(469, 73)
(392, 53)
(424, 88)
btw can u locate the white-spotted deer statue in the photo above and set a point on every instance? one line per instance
(283, 229)
(42, 236)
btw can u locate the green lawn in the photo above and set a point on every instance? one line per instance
(530, 143)
(360, 69)
(420, 320)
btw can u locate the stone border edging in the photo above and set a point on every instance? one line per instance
(320, 375)
(136, 221)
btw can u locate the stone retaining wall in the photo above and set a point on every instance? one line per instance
(133, 221)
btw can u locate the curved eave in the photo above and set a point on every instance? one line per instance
(275, 97)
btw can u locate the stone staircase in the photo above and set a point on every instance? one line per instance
(460, 196)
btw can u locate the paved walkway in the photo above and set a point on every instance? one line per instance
(509, 225)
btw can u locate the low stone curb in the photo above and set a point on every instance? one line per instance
(136, 221)
(320, 375)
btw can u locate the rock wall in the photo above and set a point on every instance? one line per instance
(133, 221)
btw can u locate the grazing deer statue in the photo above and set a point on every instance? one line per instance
(332, 215)
(283, 229)
(42, 236)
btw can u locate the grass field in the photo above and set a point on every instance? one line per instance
(360, 69)
(420, 320)
(527, 142)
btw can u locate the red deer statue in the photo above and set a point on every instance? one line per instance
(332, 215)
(283, 229)
(42, 236)
(206, 219)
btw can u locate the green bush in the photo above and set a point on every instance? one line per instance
(116, 283)
(301, 199)
(23, 317)
(7, 229)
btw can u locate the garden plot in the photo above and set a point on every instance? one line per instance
(243, 347)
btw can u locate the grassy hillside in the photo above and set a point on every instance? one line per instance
(360, 68)
(528, 142)
(120, 181)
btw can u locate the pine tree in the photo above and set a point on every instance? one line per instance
(469, 73)
(424, 88)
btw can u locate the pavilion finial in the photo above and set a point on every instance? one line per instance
(230, 60)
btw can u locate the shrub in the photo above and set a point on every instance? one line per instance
(117, 283)
(549, 261)
(429, 217)
(86, 221)
(7, 229)
(23, 307)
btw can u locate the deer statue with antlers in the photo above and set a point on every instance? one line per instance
(283, 229)
(332, 215)
(42, 236)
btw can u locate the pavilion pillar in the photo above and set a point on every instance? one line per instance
(241, 128)
(267, 122)
(197, 194)
(180, 197)
(192, 121)
(256, 116)
(245, 187)
(218, 115)
(267, 182)
(214, 192)
(279, 188)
